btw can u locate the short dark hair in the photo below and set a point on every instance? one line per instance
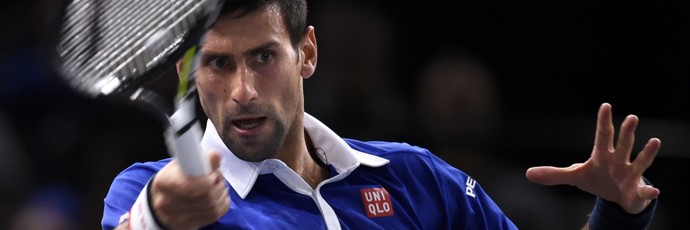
(294, 13)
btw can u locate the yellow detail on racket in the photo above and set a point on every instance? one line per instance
(187, 61)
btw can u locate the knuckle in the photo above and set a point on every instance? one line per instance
(221, 210)
(161, 205)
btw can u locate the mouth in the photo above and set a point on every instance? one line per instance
(248, 124)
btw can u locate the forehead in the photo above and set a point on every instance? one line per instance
(263, 25)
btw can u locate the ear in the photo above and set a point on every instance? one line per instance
(308, 53)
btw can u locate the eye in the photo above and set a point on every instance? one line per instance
(218, 62)
(264, 57)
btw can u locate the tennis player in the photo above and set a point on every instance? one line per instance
(277, 167)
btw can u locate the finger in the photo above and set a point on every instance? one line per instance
(215, 158)
(225, 207)
(218, 188)
(208, 211)
(168, 178)
(649, 192)
(626, 138)
(206, 202)
(211, 199)
(172, 208)
(222, 204)
(603, 140)
(548, 175)
(647, 155)
(193, 188)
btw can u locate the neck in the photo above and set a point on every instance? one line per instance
(303, 160)
(320, 171)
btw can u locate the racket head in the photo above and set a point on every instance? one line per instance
(113, 47)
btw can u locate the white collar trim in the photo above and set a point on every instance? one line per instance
(332, 149)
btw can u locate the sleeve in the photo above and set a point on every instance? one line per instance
(609, 215)
(468, 205)
(123, 192)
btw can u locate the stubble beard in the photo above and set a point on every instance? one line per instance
(261, 147)
(257, 150)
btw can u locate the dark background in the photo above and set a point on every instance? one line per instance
(493, 87)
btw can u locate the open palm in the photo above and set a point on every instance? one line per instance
(609, 173)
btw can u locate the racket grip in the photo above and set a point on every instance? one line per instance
(183, 139)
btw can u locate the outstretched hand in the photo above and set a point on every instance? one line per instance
(609, 173)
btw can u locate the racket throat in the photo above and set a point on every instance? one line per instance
(183, 138)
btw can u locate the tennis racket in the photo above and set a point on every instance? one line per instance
(113, 48)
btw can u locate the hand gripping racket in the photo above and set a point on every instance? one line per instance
(113, 48)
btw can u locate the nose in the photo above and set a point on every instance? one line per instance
(243, 90)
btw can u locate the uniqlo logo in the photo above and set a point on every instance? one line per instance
(377, 202)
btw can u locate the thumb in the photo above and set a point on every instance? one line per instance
(215, 158)
(548, 175)
(649, 192)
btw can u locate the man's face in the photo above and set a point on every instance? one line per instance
(250, 83)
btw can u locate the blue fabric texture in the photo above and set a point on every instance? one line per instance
(424, 192)
(609, 215)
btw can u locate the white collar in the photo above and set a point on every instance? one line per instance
(242, 174)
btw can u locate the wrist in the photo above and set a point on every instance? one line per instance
(142, 215)
(609, 215)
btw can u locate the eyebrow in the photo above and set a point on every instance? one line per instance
(252, 52)
(212, 54)
(260, 48)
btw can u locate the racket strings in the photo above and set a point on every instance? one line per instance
(116, 25)
(106, 42)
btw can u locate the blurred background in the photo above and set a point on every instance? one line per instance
(492, 87)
